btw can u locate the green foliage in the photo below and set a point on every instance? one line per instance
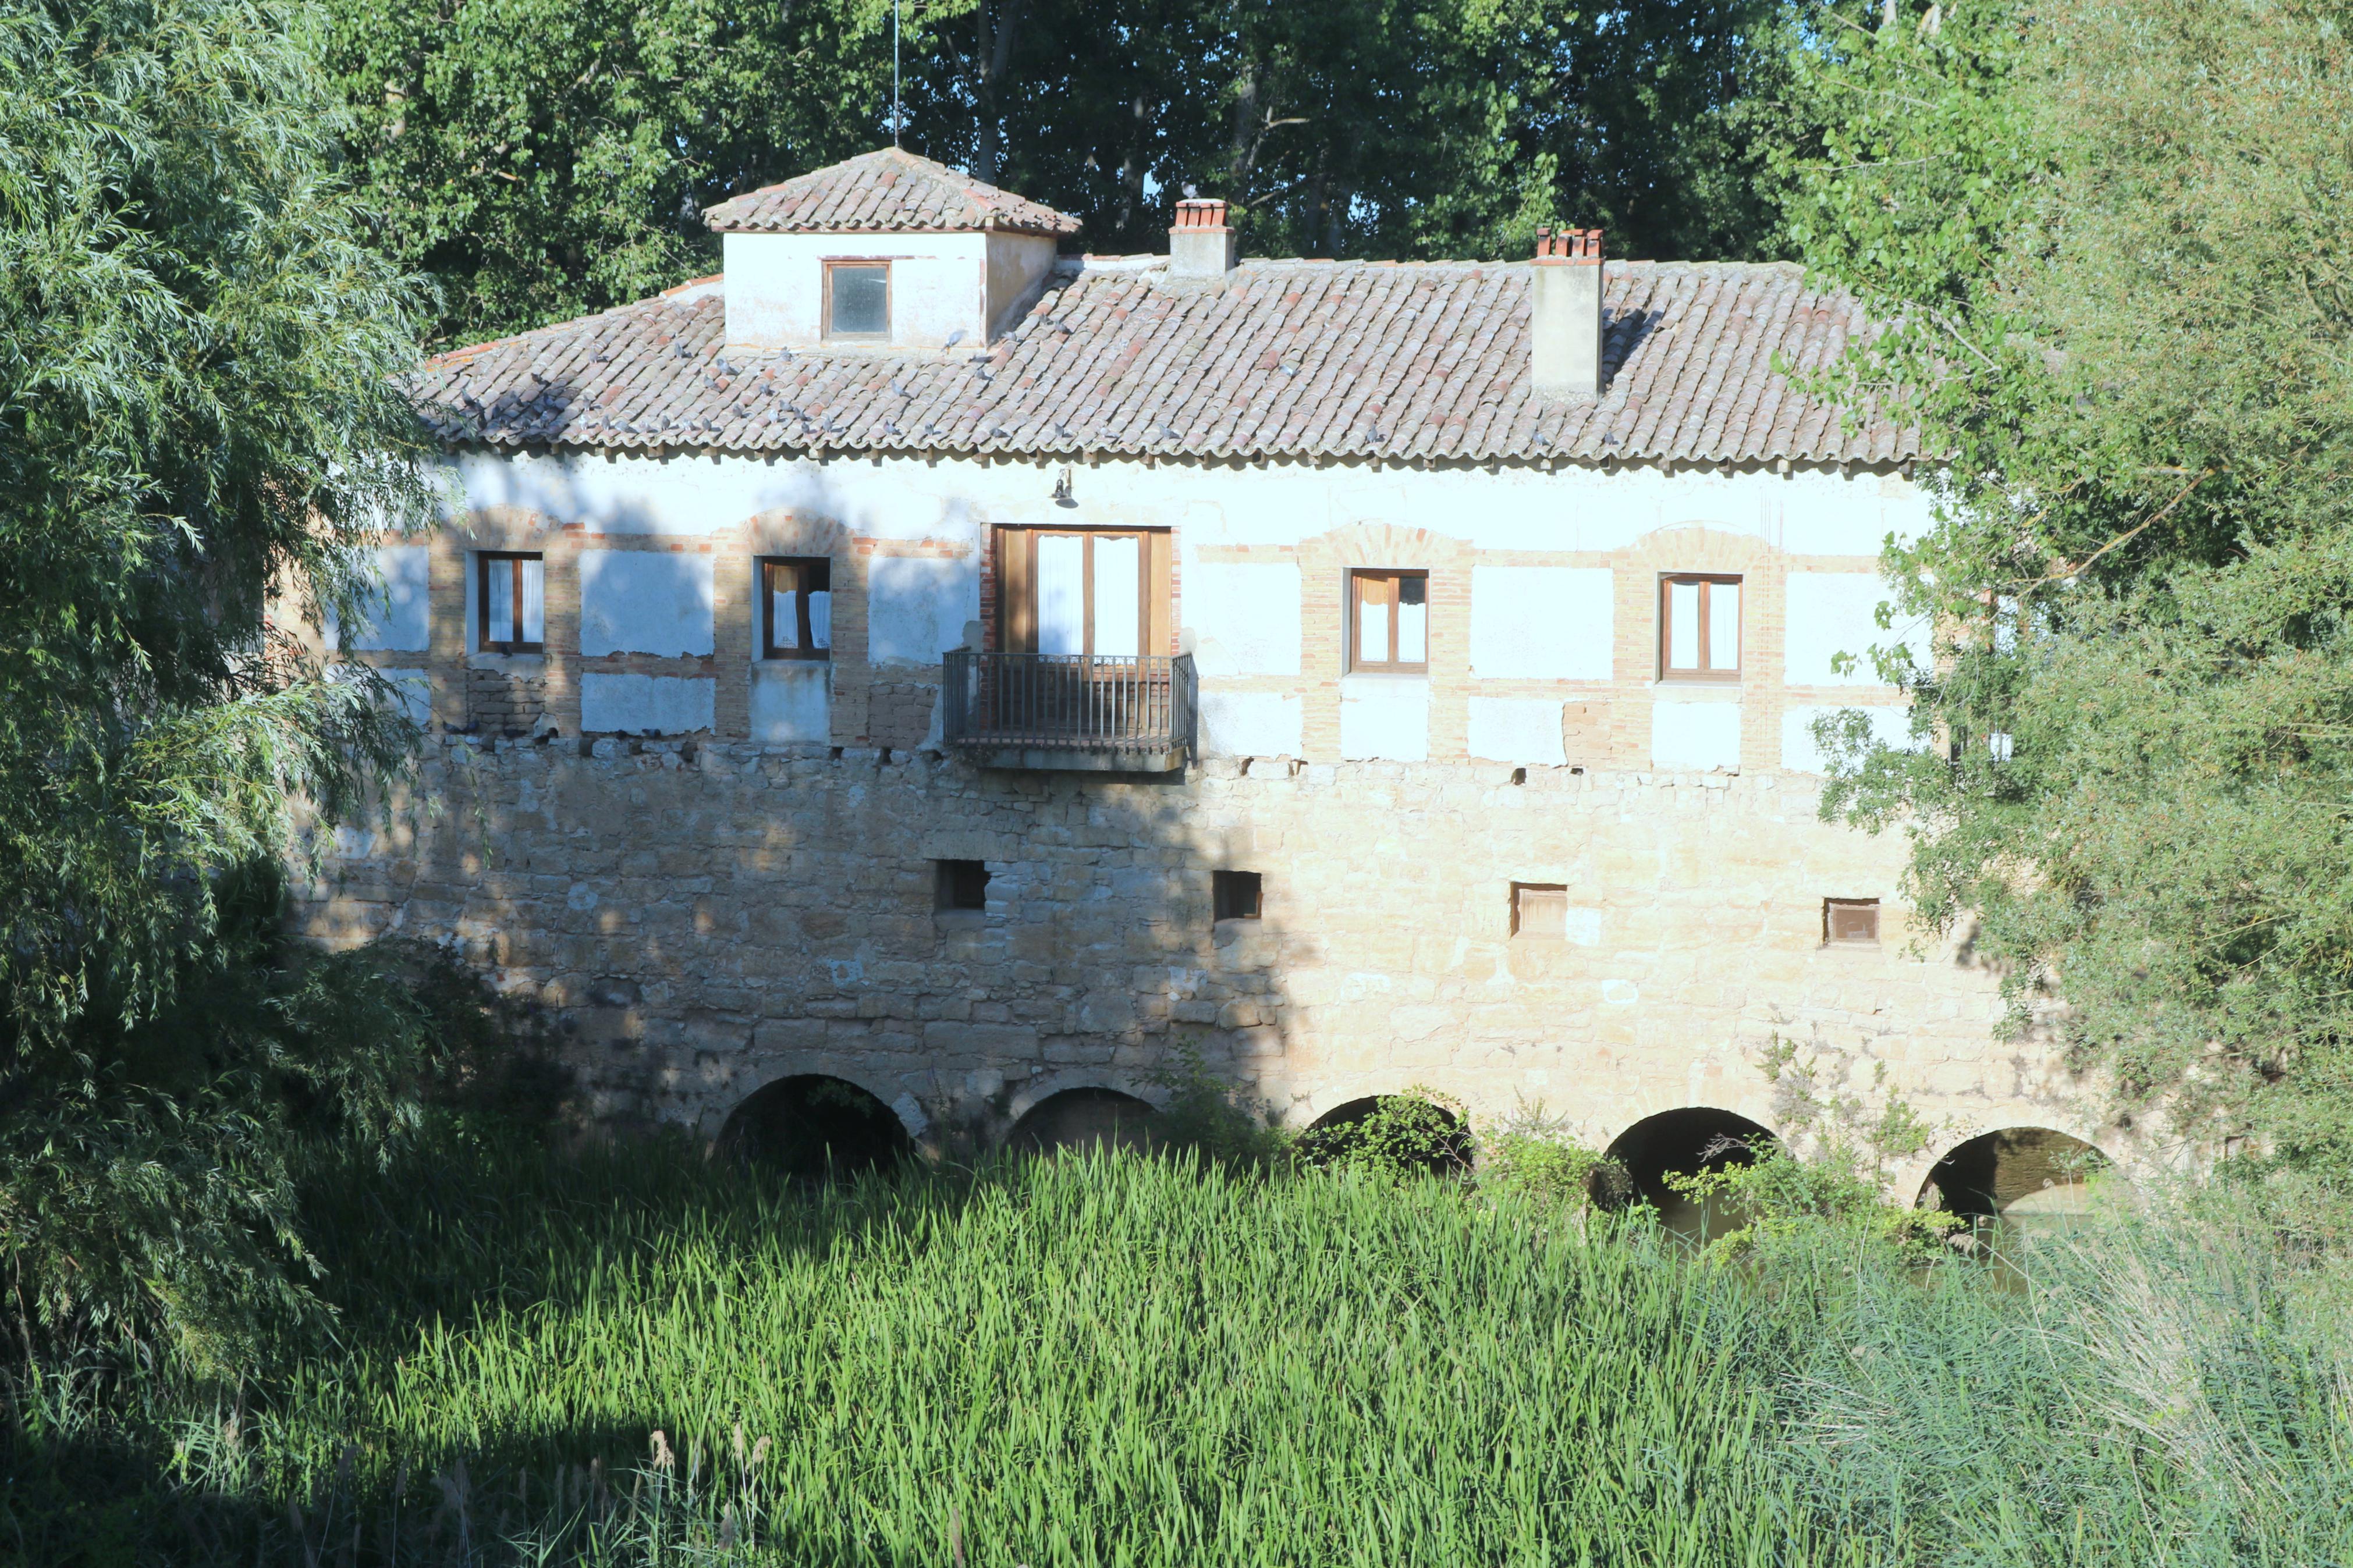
(196, 413)
(1202, 1114)
(1532, 1156)
(149, 1210)
(2163, 1388)
(2115, 236)
(1420, 1132)
(541, 159)
(634, 1355)
(1049, 1362)
(1778, 1198)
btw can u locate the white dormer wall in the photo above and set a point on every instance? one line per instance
(941, 284)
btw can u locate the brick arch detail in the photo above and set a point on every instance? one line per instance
(791, 530)
(1324, 561)
(752, 1081)
(1749, 1106)
(1311, 1108)
(1763, 569)
(1039, 1091)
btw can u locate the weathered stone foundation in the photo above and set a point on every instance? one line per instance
(712, 917)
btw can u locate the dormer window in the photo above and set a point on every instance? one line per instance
(858, 302)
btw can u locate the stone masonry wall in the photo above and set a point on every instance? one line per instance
(712, 917)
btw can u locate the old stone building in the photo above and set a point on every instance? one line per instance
(926, 661)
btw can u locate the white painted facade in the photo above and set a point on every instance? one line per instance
(1544, 618)
(967, 287)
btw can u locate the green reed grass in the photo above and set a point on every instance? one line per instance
(1087, 1361)
(1122, 1360)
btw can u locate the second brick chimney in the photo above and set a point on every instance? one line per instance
(1566, 347)
(1200, 246)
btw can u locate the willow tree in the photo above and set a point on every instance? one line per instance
(198, 419)
(2118, 238)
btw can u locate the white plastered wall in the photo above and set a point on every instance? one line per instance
(1245, 618)
(399, 619)
(644, 601)
(941, 285)
(1242, 600)
(1548, 622)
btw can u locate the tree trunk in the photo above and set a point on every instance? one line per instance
(990, 63)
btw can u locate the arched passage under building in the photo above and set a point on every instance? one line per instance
(812, 1127)
(1402, 1130)
(1082, 1119)
(2017, 1174)
(1685, 1142)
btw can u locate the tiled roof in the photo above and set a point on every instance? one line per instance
(1285, 358)
(885, 192)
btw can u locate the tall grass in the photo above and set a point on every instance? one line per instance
(1109, 1360)
(637, 1357)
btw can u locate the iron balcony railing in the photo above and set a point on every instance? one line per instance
(1070, 701)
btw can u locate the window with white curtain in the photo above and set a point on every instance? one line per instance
(1090, 593)
(513, 592)
(1699, 628)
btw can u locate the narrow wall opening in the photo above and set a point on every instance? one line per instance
(814, 1128)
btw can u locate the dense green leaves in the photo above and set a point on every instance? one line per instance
(195, 344)
(1115, 1359)
(543, 158)
(2117, 236)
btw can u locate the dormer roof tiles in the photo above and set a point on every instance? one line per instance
(887, 191)
(1284, 359)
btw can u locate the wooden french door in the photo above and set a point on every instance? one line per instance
(1099, 593)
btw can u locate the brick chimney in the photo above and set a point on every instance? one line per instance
(1568, 340)
(1200, 246)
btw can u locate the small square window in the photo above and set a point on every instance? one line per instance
(1388, 621)
(1235, 894)
(795, 607)
(1539, 912)
(858, 300)
(959, 885)
(511, 589)
(1699, 628)
(1851, 921)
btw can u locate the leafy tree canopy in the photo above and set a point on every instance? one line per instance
(543, 158)
(196, 344)
(2118, 242)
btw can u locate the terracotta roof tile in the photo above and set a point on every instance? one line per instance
(1283, 358)
(881, 193)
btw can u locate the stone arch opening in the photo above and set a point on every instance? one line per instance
(811, 1127)
(2016, 1173)
(1087, 1119)
(1681, 1143)
(1404, 1130)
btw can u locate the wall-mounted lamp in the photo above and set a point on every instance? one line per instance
(1062, 487)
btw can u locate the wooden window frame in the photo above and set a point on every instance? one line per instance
(1016, 585)
(1358, 577)
(1830, 909)
(888, 301)
(804, 650)
(513, 560)
(1521, 889)
(1706, 580)
(1237, 895)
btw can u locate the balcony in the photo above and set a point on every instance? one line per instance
(1071, 711)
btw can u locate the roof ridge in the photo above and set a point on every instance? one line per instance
(887, 190)
(1289, 362)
